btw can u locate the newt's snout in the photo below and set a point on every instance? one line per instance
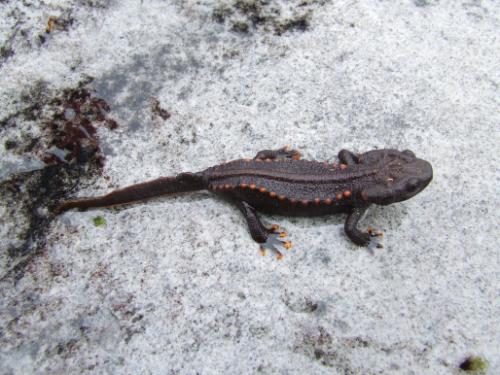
(426, 173)
(415, 177)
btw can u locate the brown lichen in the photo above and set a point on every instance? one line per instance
(73, 128)
(240, 26)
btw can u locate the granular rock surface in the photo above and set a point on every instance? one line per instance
(96, 95)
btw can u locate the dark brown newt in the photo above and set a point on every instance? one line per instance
(278, 182)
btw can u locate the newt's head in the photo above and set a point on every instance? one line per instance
(400, 176)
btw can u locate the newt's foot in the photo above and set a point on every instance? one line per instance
(280, 154)
(375, 239)
(276, 242)
(288, 153)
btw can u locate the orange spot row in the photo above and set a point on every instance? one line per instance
(272, 194)
(332, 166)
(267, 160)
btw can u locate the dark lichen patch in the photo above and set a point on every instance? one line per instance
(240, 26)
(6, 52)
(299, 23)
(129, 315)
(299, 304)
(69, 145)
(221, 12)
(25, 34)
(244, 16)
(99, 4)
(421, 3)
(32, 100)
(330, 350)
(474, 364)
(29, 199)
(10, 144)
(65, 349)
(158, 110)
(61, 23)
(319, 346)
(55, 24)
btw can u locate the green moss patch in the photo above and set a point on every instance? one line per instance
(99, 221)
(474, 364)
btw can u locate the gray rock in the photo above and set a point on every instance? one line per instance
(176, 285)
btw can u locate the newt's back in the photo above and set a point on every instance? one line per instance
(290, 186)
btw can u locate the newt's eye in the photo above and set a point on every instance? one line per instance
(412, 184)
(409, 153)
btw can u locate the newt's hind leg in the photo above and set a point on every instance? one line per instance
(268, 238)
(348, 157)
(279, 154)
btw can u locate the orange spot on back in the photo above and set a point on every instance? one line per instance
(347, 193)
(243, 186)
(252, 186)
(343, 166)
(272, 194)
(338, 196)
(317, 200)
(262, 189)
(328, 201)
(281, 197)
(305, 202)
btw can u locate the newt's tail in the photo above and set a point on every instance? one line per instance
(183, 182)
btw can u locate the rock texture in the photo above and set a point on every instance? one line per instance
(100, 94)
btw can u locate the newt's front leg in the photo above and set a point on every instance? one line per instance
(279, 154)
(348, 157)
(355, 235)
(268, 238)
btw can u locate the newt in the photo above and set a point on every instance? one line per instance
(280, 182)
